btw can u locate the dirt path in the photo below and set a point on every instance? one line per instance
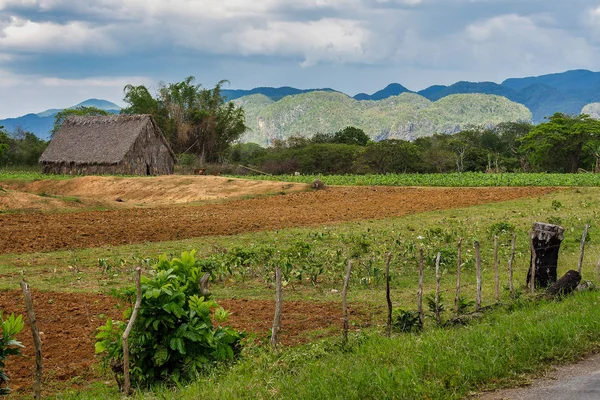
(68, 322)
(48, 232)
(580, 381)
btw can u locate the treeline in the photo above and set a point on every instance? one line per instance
(562, 144)
(20, 148)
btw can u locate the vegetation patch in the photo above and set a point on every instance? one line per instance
(465, 179)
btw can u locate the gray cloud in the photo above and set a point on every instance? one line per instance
(352, 45)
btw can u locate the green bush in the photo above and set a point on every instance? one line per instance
(407, 321)
(9, 346)
(173, 338)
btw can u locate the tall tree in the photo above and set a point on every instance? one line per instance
(559, 143)
(193, 119)
(391, 155)
(4, 140)
(351, 135)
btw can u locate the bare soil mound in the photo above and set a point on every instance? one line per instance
(69, 321)
(158, 190)
(48, 232)
(15, 201)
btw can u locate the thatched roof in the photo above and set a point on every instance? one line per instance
(98, 140)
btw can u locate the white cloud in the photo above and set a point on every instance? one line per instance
(519, 42)
(25, 35)
(325, 40)
(413, 41)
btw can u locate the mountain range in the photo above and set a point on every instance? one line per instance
(41, 123)
(567, 92)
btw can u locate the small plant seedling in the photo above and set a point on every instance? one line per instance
(406, 321)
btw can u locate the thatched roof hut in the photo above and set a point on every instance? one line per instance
(114, 144)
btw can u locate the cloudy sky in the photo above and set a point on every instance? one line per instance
(55, 53)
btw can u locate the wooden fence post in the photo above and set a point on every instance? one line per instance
(458, 266)
(511, 260)
(438, 278)
(496, 272)
(420, 290)
(37, 342)
(136, 308)
(478, 272)
(344, 303)
(387, 293)
(582, 248)
(278, 301)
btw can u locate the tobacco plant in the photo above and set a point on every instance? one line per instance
(173, 338)
(9, 346)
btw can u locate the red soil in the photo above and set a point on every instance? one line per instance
(55, 231)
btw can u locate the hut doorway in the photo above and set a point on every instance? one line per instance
(147, 169)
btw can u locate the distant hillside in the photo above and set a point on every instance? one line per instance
(274, 94)
(565, 92)
(41, 123)
(544, 95)
(593, 110)
(406, 116)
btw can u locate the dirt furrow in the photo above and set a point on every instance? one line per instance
(23, 233)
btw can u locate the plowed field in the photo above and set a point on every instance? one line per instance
(24, 233)
(68, 323)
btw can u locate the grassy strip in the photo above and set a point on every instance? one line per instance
(502, 350)
(21, 175)
(465, 179)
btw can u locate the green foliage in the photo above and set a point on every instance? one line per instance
(467, 179)
(193, 119)
(3, 141)
(173, 338)
(20, 148)
(406, 321)
(9, 346)
(328, 158)
(464, 305)
(556, 205)
(351, 135)
(430, 300)
(392, 155)
(560, 144)
(246, 153)
(60, 117)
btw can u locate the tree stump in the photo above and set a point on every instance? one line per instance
(565, 285)
(546, 244)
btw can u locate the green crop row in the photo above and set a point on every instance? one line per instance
(465, 179)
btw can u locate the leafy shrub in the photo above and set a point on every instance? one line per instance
(9, 346)
(173, 338)
(406, 321)
(464, 305)
(430, 299)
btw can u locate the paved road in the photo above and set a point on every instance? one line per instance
(579, 381)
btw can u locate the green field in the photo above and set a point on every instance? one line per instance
(518, 339)
(465, 179)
